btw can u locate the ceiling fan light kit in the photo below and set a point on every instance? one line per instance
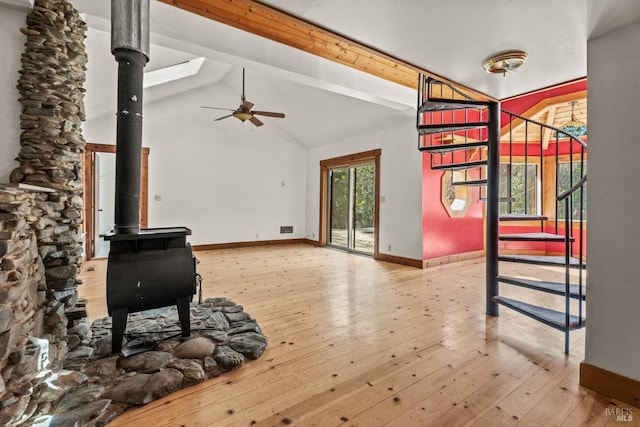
(244, 112)
(505, 62)
(242, 115)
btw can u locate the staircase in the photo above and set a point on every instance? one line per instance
(524, 223)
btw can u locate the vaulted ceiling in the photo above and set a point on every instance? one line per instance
(325, 100)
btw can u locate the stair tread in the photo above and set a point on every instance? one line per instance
(541, 260)
(447, 148)
(556, 288)
(555, 319)
(533, 237)
(518, 217)
(460, 166)
(442, 104)
(471, 183)
(449, 127)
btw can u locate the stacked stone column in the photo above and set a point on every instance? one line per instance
(52, 146)
(22, 294)
(41, 242)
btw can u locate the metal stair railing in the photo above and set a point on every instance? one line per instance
(566, 197)
(573, 152)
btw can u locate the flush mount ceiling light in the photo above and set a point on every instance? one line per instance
(507, 61)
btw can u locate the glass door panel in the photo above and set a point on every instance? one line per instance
(339, 207)
(364, 208)
(352, 208)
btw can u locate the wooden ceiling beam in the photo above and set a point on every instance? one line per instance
(274, 24)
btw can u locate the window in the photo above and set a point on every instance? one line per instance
(455, 198)
(569, 173)
(519, 189)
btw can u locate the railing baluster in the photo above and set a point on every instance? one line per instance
(557, 180)
(420, 102)
(581, 247)
(542, 224)
(510, 167)
(567, 276)
(571, 181)
(526, 168)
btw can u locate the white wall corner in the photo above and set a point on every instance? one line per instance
(24, 4)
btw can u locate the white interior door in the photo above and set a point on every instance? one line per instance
(105, 164)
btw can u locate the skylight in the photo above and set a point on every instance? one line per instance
(173, 72)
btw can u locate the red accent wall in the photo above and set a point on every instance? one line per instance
(521, 104)
(441, 234)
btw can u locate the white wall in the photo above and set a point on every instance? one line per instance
(613, 317)
(11, 47)
(400, 185)
(224, 180)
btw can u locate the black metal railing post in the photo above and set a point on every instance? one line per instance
(493, 208)
(567, 273)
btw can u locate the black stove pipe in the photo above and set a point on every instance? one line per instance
(128, 141)
(130, 46)
(148, 268)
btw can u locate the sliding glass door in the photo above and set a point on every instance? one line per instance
(351, 224)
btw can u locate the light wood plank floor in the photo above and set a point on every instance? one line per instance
(358, 342)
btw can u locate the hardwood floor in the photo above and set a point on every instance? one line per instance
(358, 342)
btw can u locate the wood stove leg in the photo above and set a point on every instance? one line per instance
(183, 315)
(119, 323)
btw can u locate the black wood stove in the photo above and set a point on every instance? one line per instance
(148, 268)
(154, 268)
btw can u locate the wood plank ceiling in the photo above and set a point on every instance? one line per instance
(554, 111)
(276, 25)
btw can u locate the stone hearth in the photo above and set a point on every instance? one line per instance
(95, 386)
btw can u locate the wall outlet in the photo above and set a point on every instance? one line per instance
(157, 198)
(389, 248)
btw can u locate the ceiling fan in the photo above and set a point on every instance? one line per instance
(244, 113)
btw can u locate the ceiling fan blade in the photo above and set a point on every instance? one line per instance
(269, 114)
(216, 108)
(223, 117)
(255, 121)
(246, 105)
